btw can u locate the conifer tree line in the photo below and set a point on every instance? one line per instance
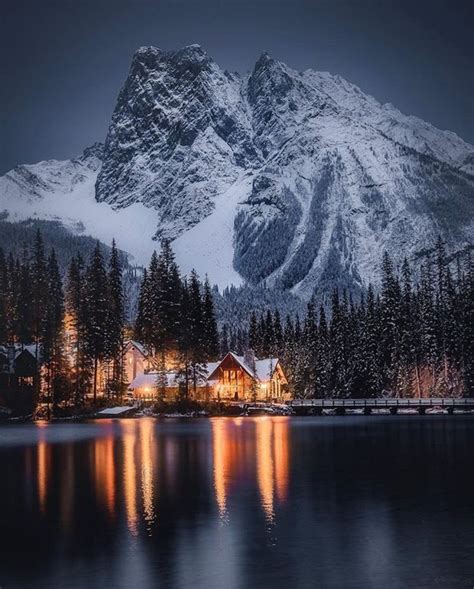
(75, 325)
(176, 321)
(413, 338)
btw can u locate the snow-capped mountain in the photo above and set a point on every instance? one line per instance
(297, 180)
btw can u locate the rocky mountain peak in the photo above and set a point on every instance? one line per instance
(289, 179)
(326, 169)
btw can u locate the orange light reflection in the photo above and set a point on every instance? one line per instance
(130, 475)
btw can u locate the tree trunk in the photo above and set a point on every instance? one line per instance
(186, 379)
(95, 380)
(418, 389)
(78, 368)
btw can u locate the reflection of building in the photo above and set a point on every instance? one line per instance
(246, 378)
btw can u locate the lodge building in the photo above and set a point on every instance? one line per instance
(244, 378)
(234, 378)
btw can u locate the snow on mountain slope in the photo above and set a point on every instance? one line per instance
(297, 180)
(65, 191)
(208, 246)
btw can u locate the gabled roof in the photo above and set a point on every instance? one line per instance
(19, 349)
(264, 368)
(138, 345)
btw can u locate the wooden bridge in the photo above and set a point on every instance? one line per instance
(340, 406)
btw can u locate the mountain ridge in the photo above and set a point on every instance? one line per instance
(296, 180)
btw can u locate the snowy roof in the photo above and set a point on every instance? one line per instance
(19, 349)
(210, 367)
(140, 347)
(31, 348)
(150, 379)
(115, 410)
(264, 368)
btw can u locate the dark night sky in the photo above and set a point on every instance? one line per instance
(63, 62)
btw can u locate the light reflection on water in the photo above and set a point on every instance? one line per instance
(238, 502)
(44, 465)
(261, 449)
(148, 445)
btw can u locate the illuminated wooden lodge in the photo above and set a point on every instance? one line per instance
(136, 360)
(244, 378)
(234, 378)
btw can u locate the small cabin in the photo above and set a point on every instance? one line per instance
(245, 378)
(136, 360)
(18, 376)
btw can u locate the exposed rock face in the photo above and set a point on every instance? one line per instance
(309, 178)
(178, 137)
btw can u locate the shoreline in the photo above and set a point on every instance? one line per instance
(202, 415)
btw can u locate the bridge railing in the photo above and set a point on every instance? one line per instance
(381, 403)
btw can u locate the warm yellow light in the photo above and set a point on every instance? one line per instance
(105, 471)
(129, 475)
(265, 465)
(147, 448)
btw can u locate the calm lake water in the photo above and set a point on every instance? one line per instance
(369, 502)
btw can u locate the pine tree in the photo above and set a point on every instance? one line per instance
(322, 360)
(371, 338)
(442, 312)
(196, 330)
(141, 318)
(338, 347)
(52, 342)
(25, 320)
(253, 332)
(308, 350)
(115, 319)
(277, 334)
(467, 325)
(428, 351)
(97, 301)
(390, 310)
(13, 282)
(261, 348)
(76, 309)
(406, 330)
(211, 337)
(269, 335)
(39, 290)
(165, 286)
(224, 344)
(3, 299)
(185, 342)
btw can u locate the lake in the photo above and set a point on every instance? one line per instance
(324, 502)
